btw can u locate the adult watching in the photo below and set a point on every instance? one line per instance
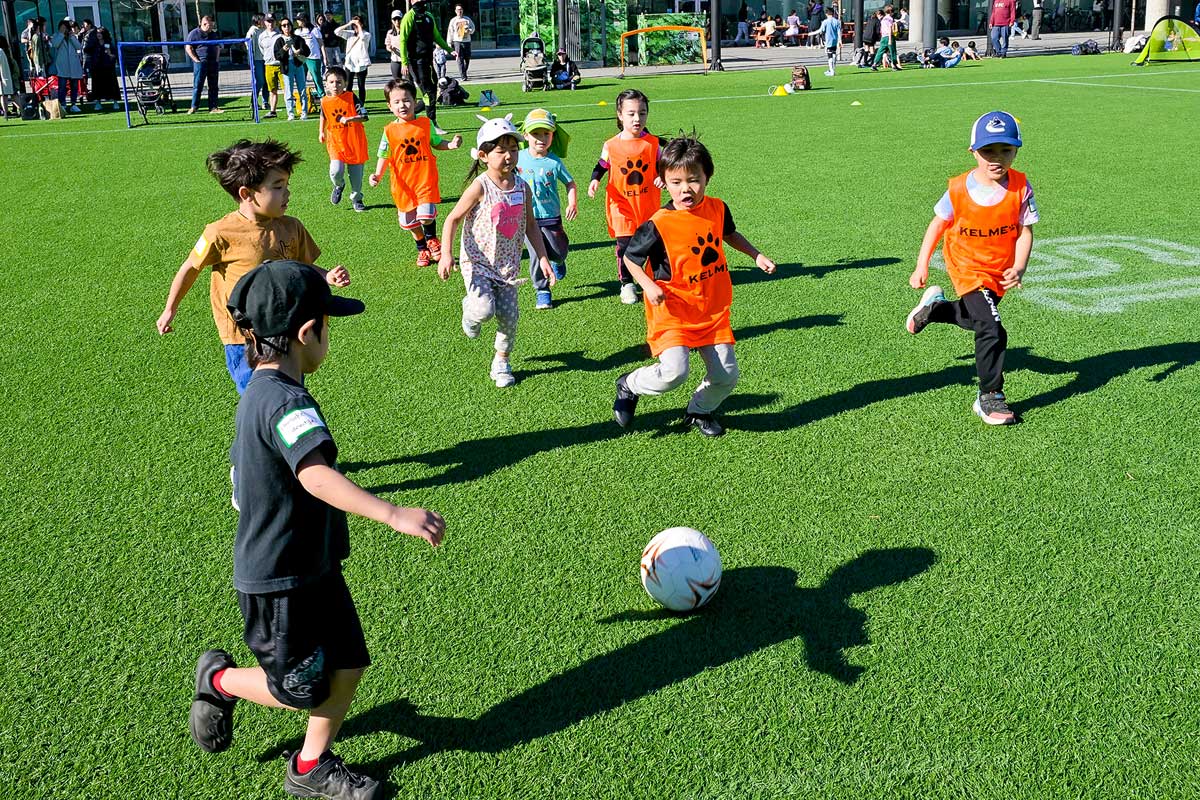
(204, 63)
(418, 34)
(358, 55)
(256, 58)
(458, 34)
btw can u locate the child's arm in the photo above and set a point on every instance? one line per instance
(470, 198)
(653, 293)
(321, 128)
(534, 234)
(742, 245)
(937, 227)
(326, 483)
(381, 163)
(572, 200)
(453, 144)
(598, 172)
(1012, 276)
(180, 285)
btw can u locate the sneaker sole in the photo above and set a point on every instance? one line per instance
(926, 298)
(204, 715)
(978, 409)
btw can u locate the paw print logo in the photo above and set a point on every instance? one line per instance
(410, 146)
(712, 249)
(636, 170)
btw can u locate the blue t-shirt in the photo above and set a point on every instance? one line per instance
(204, 52)
(543, 175)
(832, 28)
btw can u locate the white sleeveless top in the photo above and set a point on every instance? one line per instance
(493, 233)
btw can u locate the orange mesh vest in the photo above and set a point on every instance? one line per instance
(414, 169)
(631, 197)
(698, 291)
(345, 142)
(982, 241)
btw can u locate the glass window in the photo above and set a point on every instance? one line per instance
(508, 26)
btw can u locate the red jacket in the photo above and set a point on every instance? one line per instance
(1004, 12)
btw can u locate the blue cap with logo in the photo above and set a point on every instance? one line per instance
(995, 127)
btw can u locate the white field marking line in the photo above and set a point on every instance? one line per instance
(829, 92)
(1121, 86)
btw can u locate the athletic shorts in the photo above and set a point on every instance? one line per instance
(272, 77)
(412, 219)
(301, 636)
(831, 52)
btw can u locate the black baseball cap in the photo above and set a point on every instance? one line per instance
(277, 297)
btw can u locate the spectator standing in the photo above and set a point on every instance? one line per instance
(67, 66)
(1004, 14)
(331, 43)
(204, 63)
(1035, 25)
(272, 69)
(358, 56)
(104, 74)
(743, 24)
(93, 50)
(312, 62)
(418, 34)
(9, 72)
(292, 49)
(887, 39)
(391, 43)
(256, 58)
(870, 37)
(458, 35)
(1097, 14)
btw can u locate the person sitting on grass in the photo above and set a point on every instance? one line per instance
(564, 74)
(678, 259)
(987, 217)
(945, 56)
(971, 54)
(300, 620)
(256, 176)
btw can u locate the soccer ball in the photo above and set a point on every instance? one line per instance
(681, 569)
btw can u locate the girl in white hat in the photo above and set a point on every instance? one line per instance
(496, 209)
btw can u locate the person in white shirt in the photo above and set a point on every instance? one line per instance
(272, 70)
(358, 56)
(458, 36)
(256, 58)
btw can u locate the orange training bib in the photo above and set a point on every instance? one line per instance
(982, 241)
(345, 142)
(631, 197)
(413, 166)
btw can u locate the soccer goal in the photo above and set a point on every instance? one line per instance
(150, 89)
(667, 44)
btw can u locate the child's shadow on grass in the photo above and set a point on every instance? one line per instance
(745, 276)
(756, 607)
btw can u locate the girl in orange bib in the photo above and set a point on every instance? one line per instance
(342, 132)
(986, 217)
(634, 188)
(407, 150)
(678, 259)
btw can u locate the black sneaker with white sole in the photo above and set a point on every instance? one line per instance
(626, 403)
(211, 717)
(336, 196)
(331, 779)
(918, 318)
(705, 423)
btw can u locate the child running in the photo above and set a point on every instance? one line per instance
(542, 168)
(256, 176)
(678, 259)
(407, 149)
(986, 217)
(496, 209)
(342, 132)
(831, 34)
(632, 195)
(299, 619)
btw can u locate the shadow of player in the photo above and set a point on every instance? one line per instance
(757, 607)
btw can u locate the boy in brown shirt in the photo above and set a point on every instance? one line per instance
(256, 175)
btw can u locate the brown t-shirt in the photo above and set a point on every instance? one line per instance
(234, 245)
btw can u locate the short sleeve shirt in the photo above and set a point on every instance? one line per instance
(204, 52)
(234, 245)
(543, 176)
(989, 197)
(647, 250)
(285, 536)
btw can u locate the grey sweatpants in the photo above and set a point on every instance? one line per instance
(338, 170)
(487, 298)
(672, 370)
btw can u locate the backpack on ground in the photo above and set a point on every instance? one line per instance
(800, 79)
(909, 57)
(30, 106)
(451, 93)
(488, 98)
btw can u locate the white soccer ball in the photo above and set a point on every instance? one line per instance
(681, 569)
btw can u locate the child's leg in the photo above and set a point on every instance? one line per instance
(622, 272)
(479, 305)
(557, 243)
(719, 380)
(507, 312)
(325, 720)
(356, 179)
(337, 172)
(661, 377)
(978, 311)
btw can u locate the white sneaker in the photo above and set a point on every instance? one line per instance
(828, 74)
(629, 294)
(470, 328)
(502, 373)
(291, 117)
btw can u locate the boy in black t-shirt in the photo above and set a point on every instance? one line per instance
(300, 621)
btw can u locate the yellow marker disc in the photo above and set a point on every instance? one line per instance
(602, 103)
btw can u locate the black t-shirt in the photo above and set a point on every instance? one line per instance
(647, 245)
(204, 52)
(330, 38)
(285, 536)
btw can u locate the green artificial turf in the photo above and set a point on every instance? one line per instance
(915, 605)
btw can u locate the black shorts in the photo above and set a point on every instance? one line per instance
(831, 52)
(301, 636)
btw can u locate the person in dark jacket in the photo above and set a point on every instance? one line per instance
(291, 50)
(563, 72)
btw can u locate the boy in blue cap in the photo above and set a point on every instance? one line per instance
(541, 166)
(300, 621)
(987, 217)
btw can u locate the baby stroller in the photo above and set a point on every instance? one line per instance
(533, 65)
(152, 87)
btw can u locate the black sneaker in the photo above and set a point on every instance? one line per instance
(705, 423)
(330, 778)
(918, 318)
(992, 408)
(336, 197)
(211, 717)
(359, 207)
(626, 403)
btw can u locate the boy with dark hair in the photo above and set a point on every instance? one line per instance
(687, 291)
(256, 176)
(300, 621)
(987, 217)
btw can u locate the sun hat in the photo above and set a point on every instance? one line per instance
(537, 119)
(397, 14)
(995, 127)
(493, 129)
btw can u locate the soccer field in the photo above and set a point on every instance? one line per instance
(915, 605)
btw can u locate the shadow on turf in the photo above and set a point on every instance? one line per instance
(757, 607)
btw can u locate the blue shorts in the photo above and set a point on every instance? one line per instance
(239, 368)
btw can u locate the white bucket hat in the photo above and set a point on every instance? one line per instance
(493, 129)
